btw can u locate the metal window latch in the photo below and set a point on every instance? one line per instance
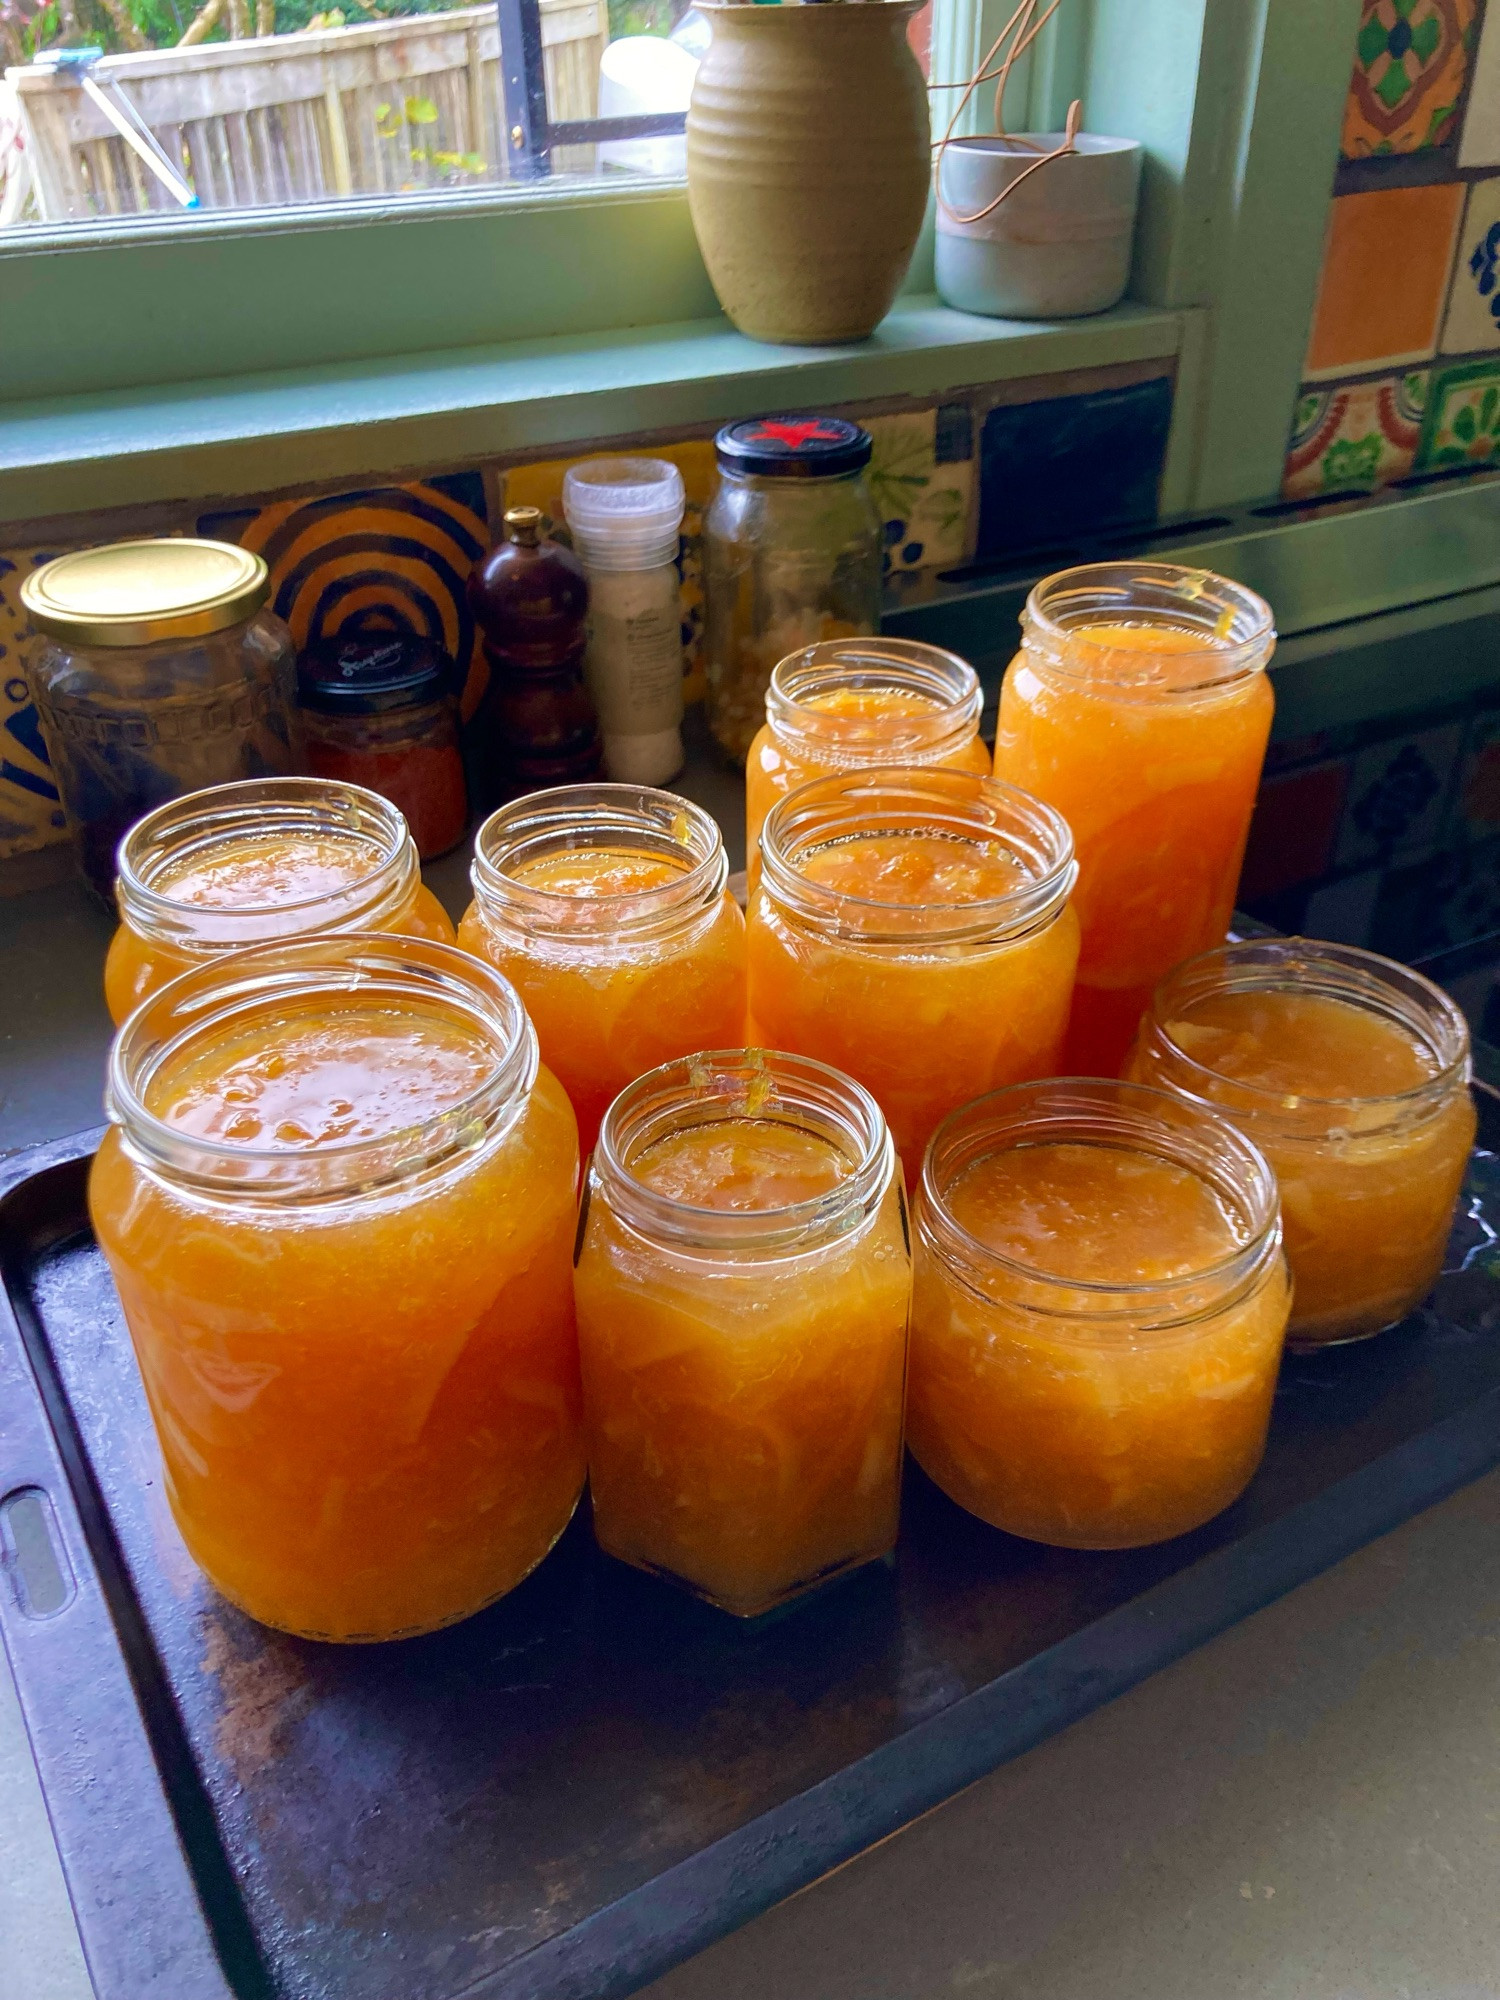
(122, 114)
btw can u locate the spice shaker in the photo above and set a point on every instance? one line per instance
(624, 514)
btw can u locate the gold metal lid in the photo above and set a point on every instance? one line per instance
(134, 593)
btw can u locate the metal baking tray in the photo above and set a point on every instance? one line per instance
(577, 1789)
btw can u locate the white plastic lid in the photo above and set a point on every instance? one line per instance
(624, 513)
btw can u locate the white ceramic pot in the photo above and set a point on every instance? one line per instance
(1059, 246)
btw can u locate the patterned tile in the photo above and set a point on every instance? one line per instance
(1294, 829)
(1355, 438)
(541, 485)
(382, 559)
(1434, 904)
(922, 477)
(1477, 799)
(30, 816)
(1461, 424)
(1398, 795)
(1342, 911)
(1479, 143)
(1473, 316)
(1386, 260)
(1068, 465)
(1410, 61)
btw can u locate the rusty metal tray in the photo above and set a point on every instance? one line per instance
(575, 1790)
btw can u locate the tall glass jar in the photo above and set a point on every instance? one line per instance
(337, 1201)
(1139, 706)
(743, 1282)
(914, 929)
(1098, 1311)
(1351, 1073)
(791, 555)
(260, 863)
(608, 907)
(848, 704)
(157, 670)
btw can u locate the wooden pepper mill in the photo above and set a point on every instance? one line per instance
(530, 599)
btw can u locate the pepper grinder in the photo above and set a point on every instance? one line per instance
(530, 599)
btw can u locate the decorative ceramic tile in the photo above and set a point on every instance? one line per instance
(1069, 465)
(1479, 145)
(382, 559)
(922, 477)
(1410, 61)
(1398, 792)
(1478, 793)
(1473, 317)
(1355, 438)
(1386, 260)
(1341, 911)
(1461, 424)
(30, 816)
(541, 485)
(1437, 903)
(1293, 832)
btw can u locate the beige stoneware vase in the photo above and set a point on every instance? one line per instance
(808, 150)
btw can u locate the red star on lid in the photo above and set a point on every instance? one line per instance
(794, 432)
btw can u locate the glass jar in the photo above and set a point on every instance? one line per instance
(1139, 706)
(381, 710)
(743, 1283)
(1351, 1074)
(1098, 1311)
(337, 1200)
(792, 554)
(850, 703)
(156, 671)
(260, 863)
(913, 928)
(607, 906)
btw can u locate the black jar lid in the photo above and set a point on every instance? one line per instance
(373, 672)
(793, 447)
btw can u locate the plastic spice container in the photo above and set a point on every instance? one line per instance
(851, 703)
(260, 863)
(913, 928)
(1351, 1073)
(1139, 706)
(791, 556)
(382, 711)
(743, 1284)
(157, 671)
(607, 906)
(1098, 1311)
(338, 1203)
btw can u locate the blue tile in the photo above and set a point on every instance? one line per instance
(1071, 465)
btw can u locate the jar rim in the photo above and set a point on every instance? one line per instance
(269, 978)
(1238, 625)
(1130, 1116)
(574, 818)
(726, 1086)
(913, 799)
(255, 809)
(904, 666)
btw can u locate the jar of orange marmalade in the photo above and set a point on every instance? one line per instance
(846, 704)
(743, 1282)
(1139, 707)
(1351, 1074)
(268, 860)
(607, 906)
(913, 929)
(1099, 1306)
(337, 1200)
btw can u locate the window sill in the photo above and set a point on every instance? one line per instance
(252, 433)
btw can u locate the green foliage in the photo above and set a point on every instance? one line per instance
(161, 22)
(644, 17)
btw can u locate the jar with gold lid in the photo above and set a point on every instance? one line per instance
(156, 670)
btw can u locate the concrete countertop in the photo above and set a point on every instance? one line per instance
(1307, 1808)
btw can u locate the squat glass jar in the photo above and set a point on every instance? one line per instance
(743, 1284)
(337, 1200)
(792, 554)
(260, 863)
(1100, 1299)
(1351, 1073)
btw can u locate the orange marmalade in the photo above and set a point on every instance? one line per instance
(1350, 1072)
(607, 906)
(913, 929)
(1099, 1307)
(254, 863)
(742, 1287)
(337, 1201)
(849, 703)
(1138, 706)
